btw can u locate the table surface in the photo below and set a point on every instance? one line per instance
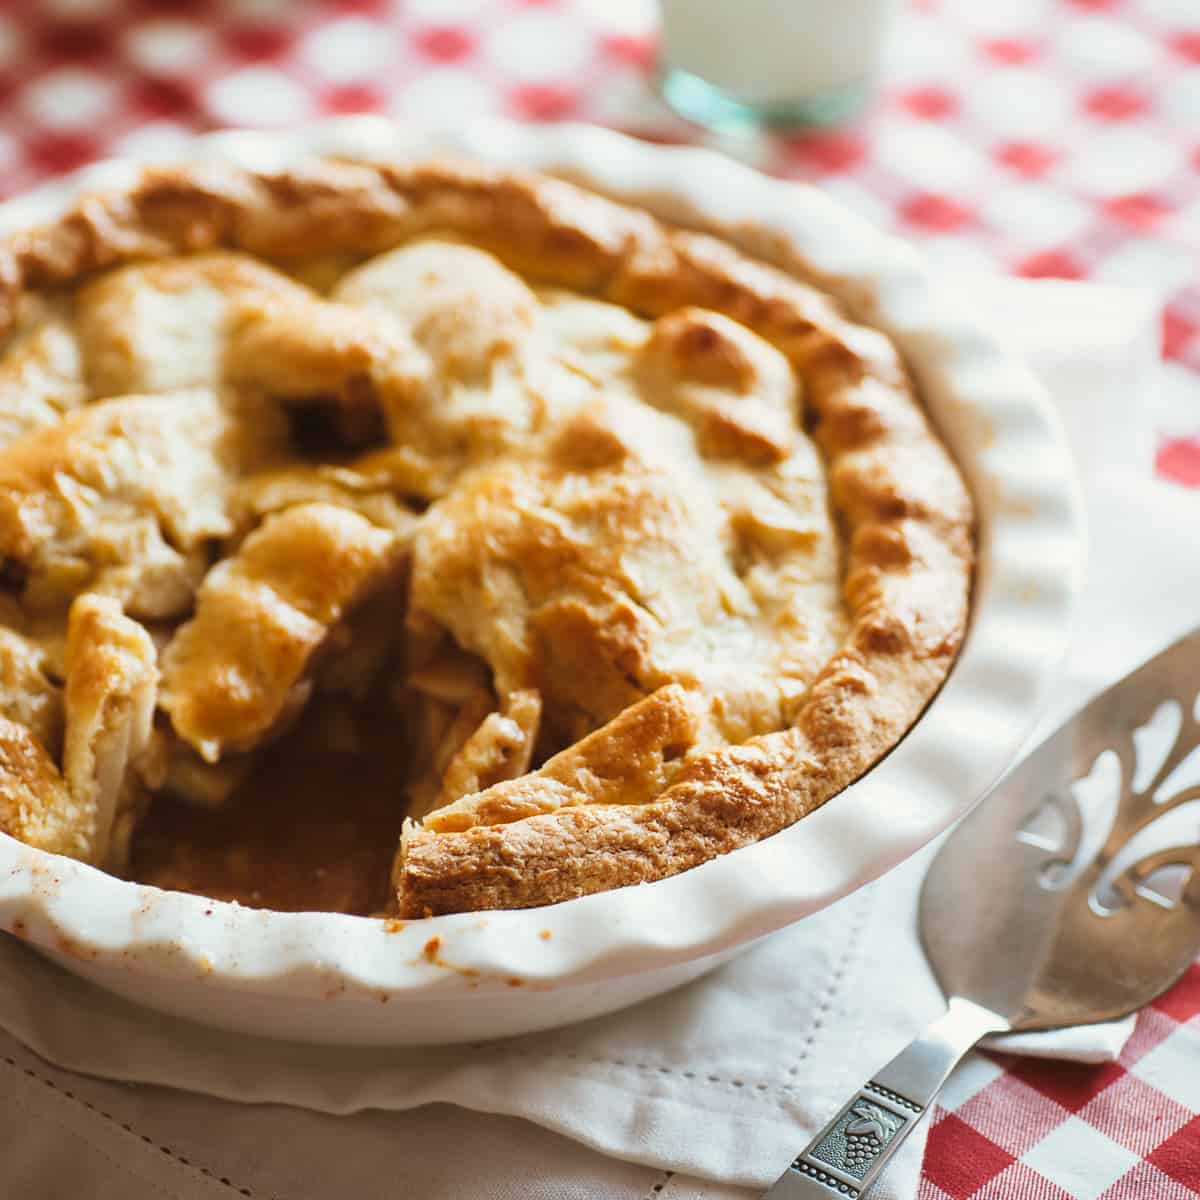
(1043, 137)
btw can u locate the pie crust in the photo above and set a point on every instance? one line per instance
(656, 767)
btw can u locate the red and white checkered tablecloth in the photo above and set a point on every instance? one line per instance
(1045, 137)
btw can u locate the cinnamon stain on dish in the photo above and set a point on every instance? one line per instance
(145, 911)
(431, 953)
(69, 946)
(1018, 506)
(43, 874)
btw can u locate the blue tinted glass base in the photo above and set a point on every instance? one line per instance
(692, 97)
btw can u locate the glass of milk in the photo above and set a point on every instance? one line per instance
(773, 62)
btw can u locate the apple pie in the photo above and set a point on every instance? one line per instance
(424, 538)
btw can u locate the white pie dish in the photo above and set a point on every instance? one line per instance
(329, 978)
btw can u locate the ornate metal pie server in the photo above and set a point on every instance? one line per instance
(1070, 895)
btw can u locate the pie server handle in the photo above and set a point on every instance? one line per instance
(848, 1155)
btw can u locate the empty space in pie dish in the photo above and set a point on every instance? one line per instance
(429, 539)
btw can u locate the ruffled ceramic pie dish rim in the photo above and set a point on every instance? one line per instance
(990, 410)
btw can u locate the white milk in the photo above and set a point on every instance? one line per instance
(774, 53)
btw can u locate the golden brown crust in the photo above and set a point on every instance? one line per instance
(906, 515)
(627, 761)
(28, 694)
(161, 326)
(88, 809)
(120, 496)
(35, 805)
(41, 377)
(112, 677)
(240, 666)
(499, 749)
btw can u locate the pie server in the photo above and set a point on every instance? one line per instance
(1070, 895)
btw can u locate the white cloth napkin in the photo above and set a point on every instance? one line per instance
(723, 1080)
